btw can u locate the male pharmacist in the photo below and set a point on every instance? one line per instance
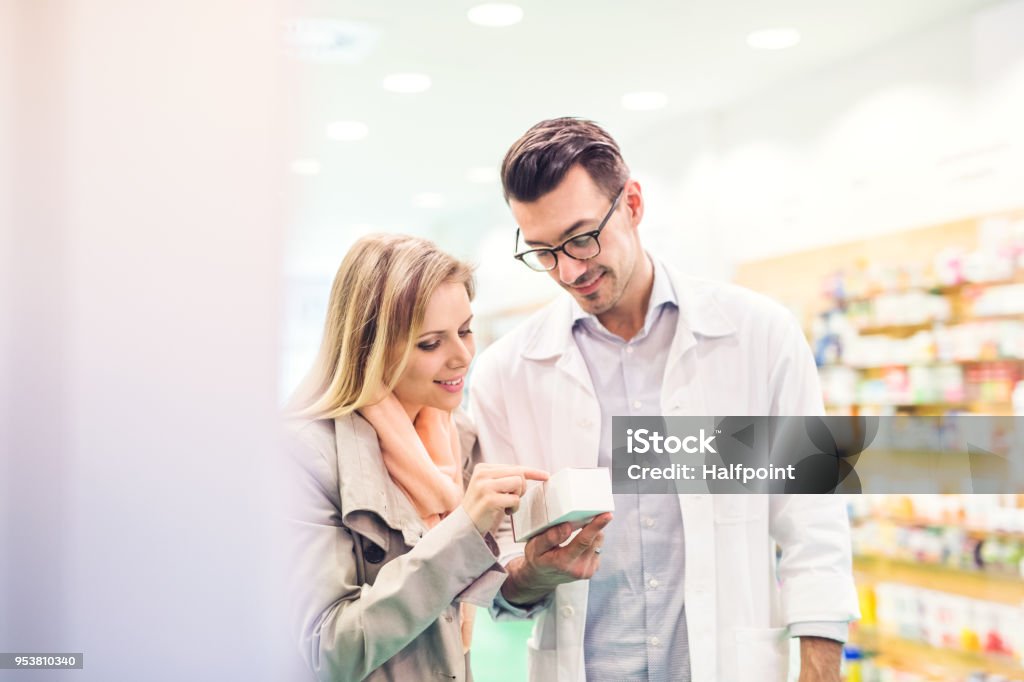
(676, 587)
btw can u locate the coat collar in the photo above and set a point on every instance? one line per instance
(366, 487)
(700, 314)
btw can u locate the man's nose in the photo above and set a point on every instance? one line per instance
(570, 269)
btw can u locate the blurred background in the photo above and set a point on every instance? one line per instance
(180, 180)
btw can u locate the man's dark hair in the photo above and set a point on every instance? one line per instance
(538, 160)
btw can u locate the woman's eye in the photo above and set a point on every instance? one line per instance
(430, 345)
(464, 332)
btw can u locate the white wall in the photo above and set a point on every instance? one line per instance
(6, 282)
(143, 346)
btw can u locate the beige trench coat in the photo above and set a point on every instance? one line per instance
(373, 593)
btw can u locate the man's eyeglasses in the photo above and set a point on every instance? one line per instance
(580, 247)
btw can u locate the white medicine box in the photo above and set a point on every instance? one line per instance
(569, 495)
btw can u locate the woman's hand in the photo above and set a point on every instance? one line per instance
(494, 491)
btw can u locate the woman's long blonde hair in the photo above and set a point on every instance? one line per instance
(377, 304)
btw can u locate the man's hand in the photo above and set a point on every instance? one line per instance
(545, 565)
(819, 659)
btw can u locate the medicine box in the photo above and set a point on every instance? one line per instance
(569, 495)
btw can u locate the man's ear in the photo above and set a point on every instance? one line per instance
(634, 199)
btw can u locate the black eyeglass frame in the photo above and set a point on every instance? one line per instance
(595, 233)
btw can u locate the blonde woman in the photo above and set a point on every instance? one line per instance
(391, 544)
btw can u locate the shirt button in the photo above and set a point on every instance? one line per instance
(637, 404)
(448, 617)
(585, 423)
(567, 611)
(648, 522)
(653, 582)
(654, 641)
(629, 349)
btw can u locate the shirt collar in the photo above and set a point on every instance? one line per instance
(662, 293)
(700, 313)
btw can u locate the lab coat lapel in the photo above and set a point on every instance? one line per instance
(681, 389)
(684, 394)
(575, 419)
(700, 317)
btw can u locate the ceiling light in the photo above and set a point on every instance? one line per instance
(347, 131)
(644, 101)
(495, 14)
(305, 167)
(406, 83)
(773, 38)
(428, 200)
(482, 174)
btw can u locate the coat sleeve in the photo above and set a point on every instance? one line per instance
(812, 531)
(347, 630)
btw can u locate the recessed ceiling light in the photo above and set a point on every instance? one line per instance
(406, 83)
(347, 131)
(495, 14)
(482, 174)
(305, 167)
(428, 200)
(773, 38)
(644, 101)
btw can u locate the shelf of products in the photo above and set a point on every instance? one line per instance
(905, 660)
(946, 333)
(924, 322)
(941, 585)
(976, 386)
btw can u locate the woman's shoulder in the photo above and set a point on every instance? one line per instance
(326, 436)
(309, 446)
(314, 434)
(322, 430)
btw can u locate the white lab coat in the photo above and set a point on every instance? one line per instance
(734, 353)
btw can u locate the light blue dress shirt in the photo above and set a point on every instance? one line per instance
(636, 615)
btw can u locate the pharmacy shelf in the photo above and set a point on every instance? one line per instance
(924, 363)
(973, 584)
(987, 585)
(907, 654)
(981, 409)
(936, 289)
(904, 330)
(898, 330)
(922, 522)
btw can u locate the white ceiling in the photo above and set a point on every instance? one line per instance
(567, 57)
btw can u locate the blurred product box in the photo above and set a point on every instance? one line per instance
(569, 495)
